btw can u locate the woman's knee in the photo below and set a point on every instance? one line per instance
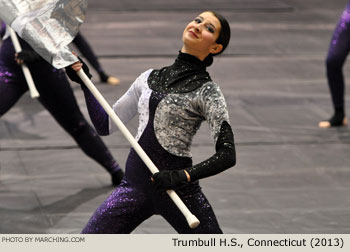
(334, 63)
(77, 126)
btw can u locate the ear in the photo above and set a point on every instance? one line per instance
(216, 48)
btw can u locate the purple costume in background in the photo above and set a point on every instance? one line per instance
(338, 50)
(171, 104)
(56, 96)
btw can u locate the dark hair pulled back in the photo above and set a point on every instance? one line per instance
(223, 38)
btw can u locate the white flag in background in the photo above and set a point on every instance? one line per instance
(47, 25)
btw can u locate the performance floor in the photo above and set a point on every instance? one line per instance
(290, 177)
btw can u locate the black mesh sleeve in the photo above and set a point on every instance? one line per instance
(224, 158)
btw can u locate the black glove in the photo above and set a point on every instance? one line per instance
(73, 75)
(165, 180)
(28, 57)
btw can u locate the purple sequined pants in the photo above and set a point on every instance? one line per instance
(338, 50)
(128, 206)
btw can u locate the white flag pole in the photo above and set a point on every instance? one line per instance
(32, 89)
(192, 220)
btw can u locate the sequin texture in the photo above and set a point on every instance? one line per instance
(343, 24)
(179, 116)
(339, 48)
(171, 104)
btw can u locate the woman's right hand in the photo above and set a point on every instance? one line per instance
(76, 66)
(72, 70)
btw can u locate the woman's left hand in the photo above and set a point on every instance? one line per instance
(165, 180)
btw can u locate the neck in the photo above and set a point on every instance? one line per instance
(194, 52)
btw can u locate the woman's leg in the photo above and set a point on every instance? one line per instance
(57, 97)
(121, 212)
(11, 89)
(198, 204)
(338, 50)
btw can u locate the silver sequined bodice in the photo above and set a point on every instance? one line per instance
(178, 116)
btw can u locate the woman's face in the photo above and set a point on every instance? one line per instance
(200, 35)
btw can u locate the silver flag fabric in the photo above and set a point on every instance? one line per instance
(47, 25)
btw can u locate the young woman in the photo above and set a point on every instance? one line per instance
(171, 103)
(339, 49)
(56, 95)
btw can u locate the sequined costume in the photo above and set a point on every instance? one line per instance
(56, 96)
(171, 104)
(339, 49)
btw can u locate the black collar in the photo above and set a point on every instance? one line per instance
(186, 74)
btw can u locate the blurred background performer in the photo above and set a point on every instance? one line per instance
(339, 49)
(38, 22)
(56, 95)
